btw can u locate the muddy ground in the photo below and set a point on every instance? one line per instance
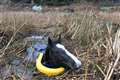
(84, 33)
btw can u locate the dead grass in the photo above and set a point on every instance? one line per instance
(88, 37)
(113, 17)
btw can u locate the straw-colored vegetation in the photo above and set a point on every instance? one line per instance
(94, 41)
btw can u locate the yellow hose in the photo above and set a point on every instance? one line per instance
(48, 71)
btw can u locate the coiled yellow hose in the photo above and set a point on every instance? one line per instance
(48, 71)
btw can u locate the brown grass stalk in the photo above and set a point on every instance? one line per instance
(3, 53)
(116, 48)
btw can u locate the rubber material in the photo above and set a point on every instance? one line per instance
(48, 71)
